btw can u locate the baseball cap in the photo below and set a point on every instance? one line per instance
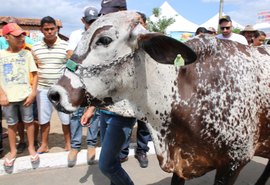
(13, 29)
(90, 13)
(226, 18)
(110, 6)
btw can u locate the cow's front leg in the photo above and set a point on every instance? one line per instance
(265, 175)
(176, 180)
(227, 175)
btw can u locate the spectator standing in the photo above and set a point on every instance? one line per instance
(90, 15)
(143, 135)
(259, 38)
(248, 33)
(212, 31)
(225, 24)
(20, 127)
(200, 31)
(16, 93)
(51, 58)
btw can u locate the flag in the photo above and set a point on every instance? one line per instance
(263, 16)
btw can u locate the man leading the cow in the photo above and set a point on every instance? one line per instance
(114, 129)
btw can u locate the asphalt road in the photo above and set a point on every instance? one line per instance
(91, 175)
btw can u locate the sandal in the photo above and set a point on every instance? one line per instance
(34, 159)
(40, 151)
(9, 164)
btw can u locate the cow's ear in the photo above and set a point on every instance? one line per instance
(164, 49)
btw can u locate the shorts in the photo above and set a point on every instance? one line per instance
(12, 111)
(35, 112)
(45, 109)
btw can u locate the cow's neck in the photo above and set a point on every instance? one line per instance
(152, 93)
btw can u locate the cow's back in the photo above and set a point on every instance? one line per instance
(224, 99)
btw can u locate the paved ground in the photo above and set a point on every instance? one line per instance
(53, 167)
(90, 175)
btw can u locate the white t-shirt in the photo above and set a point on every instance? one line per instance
(234, 37)
(74, 39)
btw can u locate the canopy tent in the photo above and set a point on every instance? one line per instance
(262, 25)
(213, 22)
(180, 26)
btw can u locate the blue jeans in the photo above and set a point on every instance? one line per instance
(143, 136)
(76, 130)
(114, 131)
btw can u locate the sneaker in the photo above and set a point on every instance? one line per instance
(142, 158)
(21, 147)
(91, 154)
(72, 157)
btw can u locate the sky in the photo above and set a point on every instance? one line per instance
(70, 12)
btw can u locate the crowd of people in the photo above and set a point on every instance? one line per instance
(248, 36)
(29, 69)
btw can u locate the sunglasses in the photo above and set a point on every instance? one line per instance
(227, 28)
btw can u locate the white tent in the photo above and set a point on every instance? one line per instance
(213, 22)
(181, 24)
(262, 25)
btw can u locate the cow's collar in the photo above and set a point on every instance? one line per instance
(87, 72)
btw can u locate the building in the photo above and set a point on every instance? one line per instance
(32, 26)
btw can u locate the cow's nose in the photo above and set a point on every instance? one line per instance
(54, 97)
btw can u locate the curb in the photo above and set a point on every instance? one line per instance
(56, 160)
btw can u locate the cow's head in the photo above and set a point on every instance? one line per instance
(103, 64)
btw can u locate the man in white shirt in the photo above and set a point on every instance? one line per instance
(90, 15)
(225, 24)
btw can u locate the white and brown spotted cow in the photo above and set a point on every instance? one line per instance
(210, 114)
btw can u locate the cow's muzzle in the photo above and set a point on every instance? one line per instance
(54, 97)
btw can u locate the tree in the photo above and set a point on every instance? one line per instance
(236, 30)
(162, 22)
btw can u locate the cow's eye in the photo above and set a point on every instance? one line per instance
(104, 41)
